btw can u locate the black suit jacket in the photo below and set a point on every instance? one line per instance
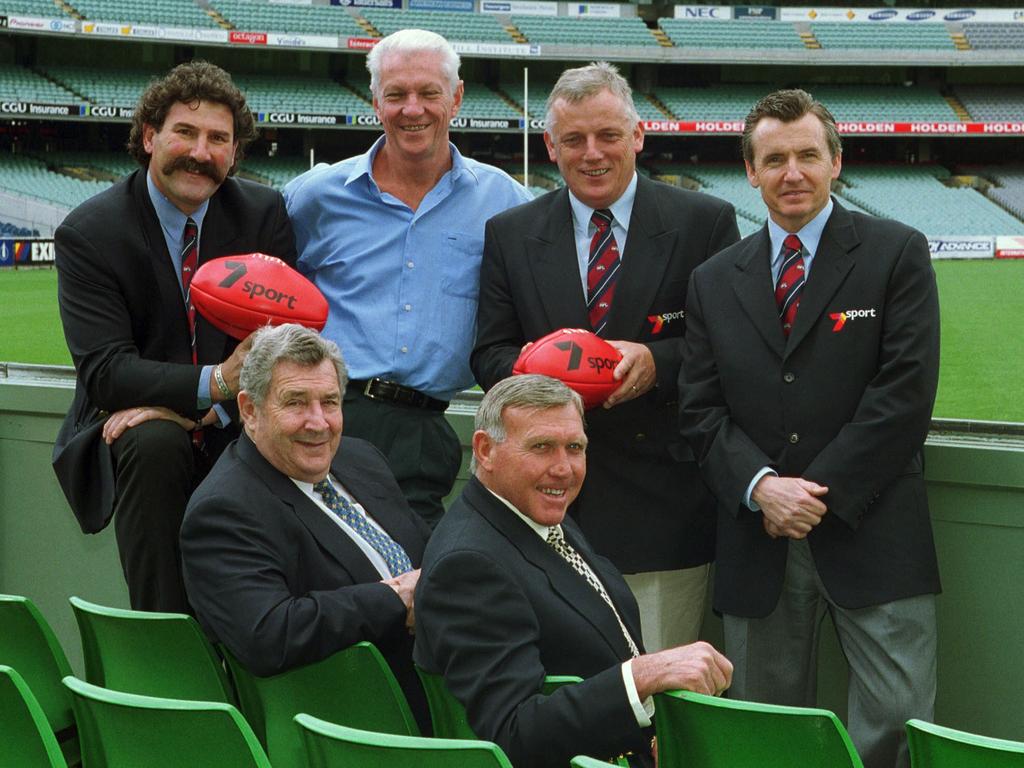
(124, 317)
(497, 609)
(643, 504)
(845, 402)
(272, 577)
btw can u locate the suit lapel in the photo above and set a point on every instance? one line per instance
(649, 247)
(566, 583)
(332, 539)
(831, 264)
(159, 260)
(753, 288)
(551, 255)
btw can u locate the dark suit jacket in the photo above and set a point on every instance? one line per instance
(278, 582)
(643, 504)
(497, 609)
(124, 316)
(845, 403)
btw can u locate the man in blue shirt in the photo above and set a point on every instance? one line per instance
(394, 239)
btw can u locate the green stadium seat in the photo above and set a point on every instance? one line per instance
(328, 745)
(25, 735)
(126, 729)
(149, 653)
(935, 746)
(712, 732)
(354, 686)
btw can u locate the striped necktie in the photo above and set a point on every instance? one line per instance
(602, 270)
(791, 282)
(189, 262)
(390, 550)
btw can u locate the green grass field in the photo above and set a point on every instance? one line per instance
(982, 347)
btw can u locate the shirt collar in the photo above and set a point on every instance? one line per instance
(809, 234)
(364, 163)
(621, 209)
(540, 530)
(171, 219)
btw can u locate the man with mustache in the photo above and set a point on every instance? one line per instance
(154, 399)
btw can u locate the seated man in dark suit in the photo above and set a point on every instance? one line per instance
(299, 543)
(511, 592)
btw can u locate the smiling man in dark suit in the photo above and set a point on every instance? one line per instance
(613, 252)
(299, 543)
(511, 591)
(150, 371)
(811, 364)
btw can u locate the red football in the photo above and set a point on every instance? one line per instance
(578, 358)
(239, 294)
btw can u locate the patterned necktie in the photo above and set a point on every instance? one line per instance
(568, 553)
(394, 556)
(189, 262)
(791, 282)
(602, 270)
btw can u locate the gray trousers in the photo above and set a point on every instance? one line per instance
(890, 649)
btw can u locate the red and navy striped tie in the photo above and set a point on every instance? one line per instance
(602, 270)
(189, 262)
(791, 282)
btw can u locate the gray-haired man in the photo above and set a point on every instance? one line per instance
(299, 542)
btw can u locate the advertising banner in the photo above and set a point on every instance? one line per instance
(704, 12)
(302, 41)
(1010, 247)
(369, 3)
(961, 247)
(755, 12)
(463, 6)
(496, 49)
(914, 15)
(520, 7)
(606, 10)
(21, 251)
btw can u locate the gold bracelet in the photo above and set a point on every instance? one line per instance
(222, 385)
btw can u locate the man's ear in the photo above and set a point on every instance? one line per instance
(483, 445)
(247, 410)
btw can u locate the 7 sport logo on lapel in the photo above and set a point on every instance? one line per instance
(658, 321)
(840, 318)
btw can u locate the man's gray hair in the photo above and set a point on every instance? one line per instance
(408, 41)
(527, 391)
(292, 343)
(581, 83)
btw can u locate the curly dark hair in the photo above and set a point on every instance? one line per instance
(190, 83)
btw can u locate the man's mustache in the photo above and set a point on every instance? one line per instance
(194, 166)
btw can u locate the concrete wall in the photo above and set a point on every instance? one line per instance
(976, 490)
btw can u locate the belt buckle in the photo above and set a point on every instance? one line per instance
(370, 387)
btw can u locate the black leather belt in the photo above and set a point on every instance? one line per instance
(390, 392)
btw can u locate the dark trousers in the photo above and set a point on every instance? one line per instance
(420, 445)
(156, 468)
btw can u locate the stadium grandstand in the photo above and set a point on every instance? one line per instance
(930, 100)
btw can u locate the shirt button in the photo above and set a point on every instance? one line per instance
(404, 349)
(407, 307)
(788, 377)
(639, 437)
(410, 264)
(794, 438)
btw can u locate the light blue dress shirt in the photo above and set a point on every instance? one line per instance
(172, 224)
(584, 229)
(810, 237)
(402, 285)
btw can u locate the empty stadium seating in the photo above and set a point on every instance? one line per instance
(747, 35)
(884, 102)
(30, 178)
(110, 87)
(259, 15)
(176, 13)
(985, 36)
(571, 30)
(916, 196)
(893, 35)
(319, 95)
(21, 84)
(477, 27)
(992, 102)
